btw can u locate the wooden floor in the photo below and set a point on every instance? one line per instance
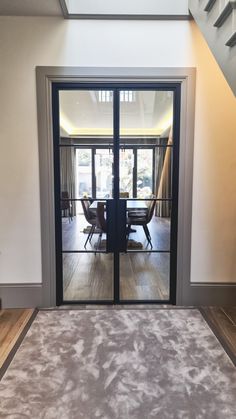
(12, 323)
(89, 276)
(223, 322)
(73, 237)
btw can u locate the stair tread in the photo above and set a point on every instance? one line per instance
(209, 5)
(226, 12)
(232, 40)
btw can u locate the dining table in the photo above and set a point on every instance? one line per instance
(131, 204)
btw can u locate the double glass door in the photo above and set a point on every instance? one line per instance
(116, 192)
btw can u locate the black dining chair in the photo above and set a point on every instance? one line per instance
(66, 205)
(90, 217)
(124, 194)
(141, 219)
(101, 222)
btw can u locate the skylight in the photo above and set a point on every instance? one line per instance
(112, 8)
(106, 96)
(127, 96)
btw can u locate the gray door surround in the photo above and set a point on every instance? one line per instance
(45, 77)
(44, 295)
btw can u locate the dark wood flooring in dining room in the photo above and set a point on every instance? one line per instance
(89, 276)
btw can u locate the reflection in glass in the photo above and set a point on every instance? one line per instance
(87, 276)
(85, 113)
(144, 276)
(149, 114)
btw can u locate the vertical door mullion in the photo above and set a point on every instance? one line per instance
(135, 172)
(174, 201)
(116, 187)
(94, 186)
(57, 194)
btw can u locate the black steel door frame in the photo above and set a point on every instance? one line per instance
(119, 205)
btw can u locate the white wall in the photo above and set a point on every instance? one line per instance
(28, 42)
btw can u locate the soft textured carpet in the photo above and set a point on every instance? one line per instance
(119, 364)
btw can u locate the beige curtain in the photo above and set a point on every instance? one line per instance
(67, 168)
(164, 183)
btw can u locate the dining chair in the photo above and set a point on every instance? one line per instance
(101, 222)
(124, 194)
(142, 219)
(90, 218)
(66, 205)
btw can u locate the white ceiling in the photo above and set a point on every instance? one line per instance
(81, 114)
(30, 8)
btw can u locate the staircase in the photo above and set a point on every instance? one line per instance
(217, 22)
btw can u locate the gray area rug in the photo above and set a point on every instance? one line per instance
(119, 364)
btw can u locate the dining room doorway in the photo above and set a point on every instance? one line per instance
(116, 159)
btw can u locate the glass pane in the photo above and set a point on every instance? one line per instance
(85, 115)
(69, 177)
(163, 174)
(87, 228)
(146, 114)
(87, 277)
(148, 225)
(75, 231)
(144, 276)
(83, 174)
(86, 122)
(126, 173)
(103, 173)
(86, 167)
(144, 173)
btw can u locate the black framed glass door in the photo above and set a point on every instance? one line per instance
(116, 191)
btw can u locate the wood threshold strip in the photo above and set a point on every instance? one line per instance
(14, 324)
(223, 328)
